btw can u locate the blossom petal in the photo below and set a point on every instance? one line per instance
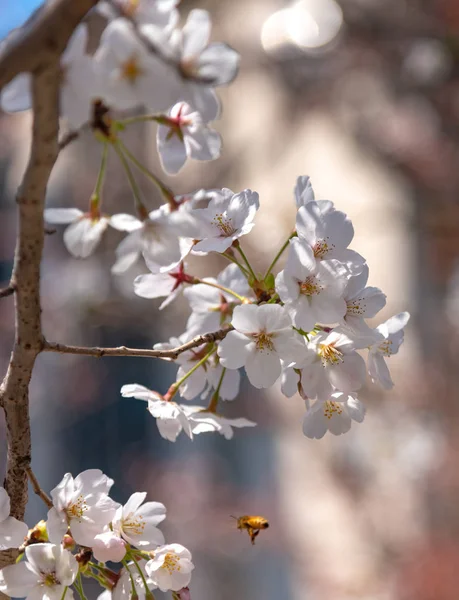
(263, 368)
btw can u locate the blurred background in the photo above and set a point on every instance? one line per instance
(363, 96)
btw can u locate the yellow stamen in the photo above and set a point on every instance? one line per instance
(224, 224)
(331, 408)
(330, 354)
(131, 69)
(171, 563)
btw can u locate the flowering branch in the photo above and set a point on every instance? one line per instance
(36, 487)
(172, 354)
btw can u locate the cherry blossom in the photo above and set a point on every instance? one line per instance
(12, 531)
(328, 232)
(334, 415)
(303, 191)
(78, 84)
(225, 220)
(181, 135)
(263, 336)
(393, 332)
(130, 75)
(136, 521)
(170, 417)
(156, 238)
(331, 362)
(170, 568)
(84, 232)
(362, 303)
(81, 504)
(158, 285)
(46, 572)
(123, 586)
(204, 421)
(195, 59)
(108, 546)
(312, 290)
(212, 308)
(161, 13)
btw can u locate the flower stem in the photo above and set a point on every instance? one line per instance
(214, 399)
(134, 591)
(245, 259)
(144, 581)
(236, 262)
(165, 191)
(64, 592)
(242, 299)
(278, 255)
(140, 207)
(102, 170)
(138, 119)
(79, 587)
(175, 386)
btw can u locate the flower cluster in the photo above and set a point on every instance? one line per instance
(84, 530)
(305, 327)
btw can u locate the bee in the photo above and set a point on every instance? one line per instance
(253, 525)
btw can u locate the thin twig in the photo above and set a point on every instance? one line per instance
(8, 291)
(37, 489)
(206, 338)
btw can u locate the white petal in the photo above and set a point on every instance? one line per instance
(348, 375)
(18, 580)
(195, 33)
(125, 222)
(154, 286)
(61, 216)
(245, 318)
(172, 151)
(218, 64)
(12, 533)
(263, 368)
(4, 504)
(379, 371)
(234, 349)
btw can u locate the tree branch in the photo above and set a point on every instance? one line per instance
(43, 37)
(172, 354)
(37, 489)
(8, 291)
(36, 47)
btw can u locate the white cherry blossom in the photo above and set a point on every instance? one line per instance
(78, 84)
(12, 531)
(203, 421)
(170, 568)
(170, 417)
(81, 504)
(303, 191)
(334, 415)
(108, 546)
(158, 285)
(212, 308)
(331, 362)
(46, 572)
(195, 59)
(136, 521)
(156, 238)
(84, 232)
(181, 135)
(362, 303)
(393, 333)
(263, 336)
(129, 74)
(312, 290)
(161, 13)
(225, 220)
(328, 232)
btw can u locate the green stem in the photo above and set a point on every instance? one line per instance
(175, 386)
(245, 259)
(278, 255)
(214, 399)
(134, 591)
(102, 171)
(222, 288)
(236, 262)
(64, 592)
(142, 210)
(139, 119)
(144, 581)
(165, 191)
(79, 587)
